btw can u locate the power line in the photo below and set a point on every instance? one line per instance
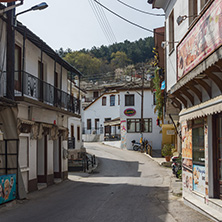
(105, 26)
(108, 24)
(139, 26)
(99, 21)
(148, 13)
(103, 22)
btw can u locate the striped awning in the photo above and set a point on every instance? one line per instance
(209, 107)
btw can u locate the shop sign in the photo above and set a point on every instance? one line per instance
(130, 112)
(170, 132)
(199, 178)
(202, 40)
(7, 188)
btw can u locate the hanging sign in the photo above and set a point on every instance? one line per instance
(130, 112)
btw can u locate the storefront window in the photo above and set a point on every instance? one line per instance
(198, 142)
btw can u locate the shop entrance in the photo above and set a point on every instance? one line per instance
(217, 122)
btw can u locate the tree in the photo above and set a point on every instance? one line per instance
(119, 59)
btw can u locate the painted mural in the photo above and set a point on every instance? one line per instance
(201, 41)
(123, 133)
(7, 188)
(199, 179)
(187, 162)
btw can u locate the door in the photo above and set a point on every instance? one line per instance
(18, 56)
(23, 160)
(218, 156)
(107, 128)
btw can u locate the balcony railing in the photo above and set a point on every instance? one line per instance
(32, 87)
(96, 131)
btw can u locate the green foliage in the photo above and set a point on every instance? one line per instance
(159, 96)
(119, 59)
(85, 63)
(167, 150)
(108, 58)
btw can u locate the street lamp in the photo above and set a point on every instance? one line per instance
(180, 18)
(40, 6)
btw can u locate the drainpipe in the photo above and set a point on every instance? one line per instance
(23, 61)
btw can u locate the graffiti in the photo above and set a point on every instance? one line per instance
(7, 188)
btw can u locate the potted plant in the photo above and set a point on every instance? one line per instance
(167, 151)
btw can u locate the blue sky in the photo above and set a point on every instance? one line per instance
(72, 23)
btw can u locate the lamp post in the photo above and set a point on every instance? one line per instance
(40, 6)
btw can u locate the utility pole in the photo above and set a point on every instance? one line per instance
(10, 66)
(142, 95)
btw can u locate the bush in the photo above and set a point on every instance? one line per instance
(167, 150)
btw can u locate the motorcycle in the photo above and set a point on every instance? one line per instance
(176, 165)
(136, 145)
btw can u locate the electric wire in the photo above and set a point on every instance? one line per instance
(148, 13)
(103, 22)
(108, 24)
(132, 23)
(99, 21)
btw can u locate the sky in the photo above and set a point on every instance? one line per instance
(73, 24)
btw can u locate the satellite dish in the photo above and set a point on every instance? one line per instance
(128, 78)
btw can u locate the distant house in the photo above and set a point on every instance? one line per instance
(116, 115)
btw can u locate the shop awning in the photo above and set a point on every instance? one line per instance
(209, 107)
(113, 122)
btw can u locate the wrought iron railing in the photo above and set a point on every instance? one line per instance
(35, 88)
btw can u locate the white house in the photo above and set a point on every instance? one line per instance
(194, 80)
(35, 124)
(121, 112)
(105, 107)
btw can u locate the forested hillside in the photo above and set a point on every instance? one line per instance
(108, 58)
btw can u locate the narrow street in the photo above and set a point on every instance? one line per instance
(126, 186)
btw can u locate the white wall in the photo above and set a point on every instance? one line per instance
(76, 122)
(97, 111)
(155, 138)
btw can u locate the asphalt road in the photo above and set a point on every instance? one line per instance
(127, 186)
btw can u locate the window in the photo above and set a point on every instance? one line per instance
(112, 100)
(134, 125)
(18, 67)
(118, 99)
(89, 126)
(171, 31)
(95, 94)
(192, 10)
(96, 124)
(198, 142)
(72, 131)
(129, 100)
(104, 101)
(78, 133)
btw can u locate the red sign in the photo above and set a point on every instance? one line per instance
(130, 112)
(202, 40)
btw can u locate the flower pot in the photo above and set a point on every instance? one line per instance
(167, 158)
